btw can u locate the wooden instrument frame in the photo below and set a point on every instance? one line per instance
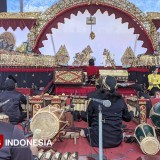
(140, 109)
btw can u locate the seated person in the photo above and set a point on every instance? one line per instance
(92, 72)
(11, 77)
(112, 115)
(154, 81)
(13, 108)
(141, 94)
(11, 132)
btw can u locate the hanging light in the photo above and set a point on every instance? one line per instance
(91, 21)
(92, 35)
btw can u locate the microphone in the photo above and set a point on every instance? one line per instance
(106, 103)
(3, 103)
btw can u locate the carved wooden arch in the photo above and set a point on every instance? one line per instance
(121, 8)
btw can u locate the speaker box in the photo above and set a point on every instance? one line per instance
(3, 5)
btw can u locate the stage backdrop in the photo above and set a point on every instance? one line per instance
(110, 33)
(42, 78)
(25, 79)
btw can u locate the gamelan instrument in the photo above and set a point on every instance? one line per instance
(120, 75)
(40, 101)
(139, 109)
(52, 155)
(125, 84)
(155, 115)
(50, 120)
(36, 103)
(147, 139)
(80, 103)
(4, 117)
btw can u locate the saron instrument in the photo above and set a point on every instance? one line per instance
(80, 103)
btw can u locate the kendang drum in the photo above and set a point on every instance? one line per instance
(155, 115)
(50, 120)
(4, 117)
(147, 139)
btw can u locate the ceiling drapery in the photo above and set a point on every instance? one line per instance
(21, 20)
(14, 23)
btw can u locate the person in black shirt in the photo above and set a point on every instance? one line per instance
(141, 95)
(112, 115)
(11, 132)
(13, 108)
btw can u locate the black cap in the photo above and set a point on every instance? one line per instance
(152, 69)
(9, 84)
(11, 77)
(91, 62)
(110, 83)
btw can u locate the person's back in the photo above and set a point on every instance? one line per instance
(112, 120)
(112, 116)
(11, 132)
(13, 107)
(92, 72)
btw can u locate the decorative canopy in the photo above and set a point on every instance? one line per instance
(40, 24)
(121, 8)
(22, 20)
(155, 17)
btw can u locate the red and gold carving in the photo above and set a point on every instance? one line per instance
(142, 110)
(36, 103)
(56, 102)
(139, 109)
(68, 77)
(35, 108)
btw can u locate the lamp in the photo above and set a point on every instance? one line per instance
(91, 21)
(92, 35)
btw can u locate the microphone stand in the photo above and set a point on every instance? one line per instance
(100, 133)
(100, 156)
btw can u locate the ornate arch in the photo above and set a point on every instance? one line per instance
(121, 8)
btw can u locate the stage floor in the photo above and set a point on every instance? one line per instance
(126, 151)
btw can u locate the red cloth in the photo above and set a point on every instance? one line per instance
(126, 91)
(155, 100)
(14, 23)
(126, 151)
(92, 70)
(25, 91)
(81, 91)
(138, 70)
